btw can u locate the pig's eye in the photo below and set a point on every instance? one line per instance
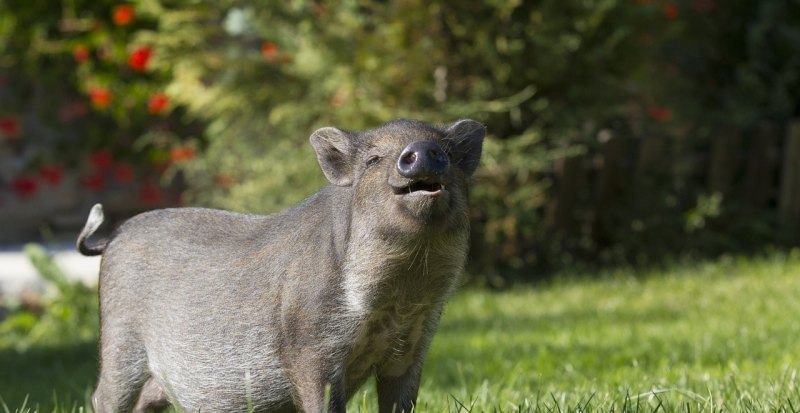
(372, 160)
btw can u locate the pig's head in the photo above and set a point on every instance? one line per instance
(406, 178)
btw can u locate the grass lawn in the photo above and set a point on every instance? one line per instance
(723, 335)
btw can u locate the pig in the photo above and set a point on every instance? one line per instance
(213, 311)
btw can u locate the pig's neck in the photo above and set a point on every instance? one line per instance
(420, 271)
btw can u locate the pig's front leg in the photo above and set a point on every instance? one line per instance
(315, 380)
(316, 370)
(398, 379)
(397, 394)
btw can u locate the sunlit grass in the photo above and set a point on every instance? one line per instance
(713, 336)
(707, 336)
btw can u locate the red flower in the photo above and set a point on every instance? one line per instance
(52, 174)
(100, 97)
(101, 159)
(81, 53)
(157, 103)
(149, 193)
(24, 186)
(269, 50)
(9, 126)
(139, 58)
(181, 153)
(659, 113)
(123, 173)
(671, 10)
(93, 182)
(123, 14)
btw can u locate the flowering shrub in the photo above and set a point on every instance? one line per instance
(223, 94)
(107, 119)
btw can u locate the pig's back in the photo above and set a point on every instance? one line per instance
(165, 252)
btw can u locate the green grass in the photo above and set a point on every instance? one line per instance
(718, 336)
(723, 334)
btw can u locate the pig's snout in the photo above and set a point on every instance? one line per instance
(422, 161)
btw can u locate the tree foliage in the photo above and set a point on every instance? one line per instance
(242, 84)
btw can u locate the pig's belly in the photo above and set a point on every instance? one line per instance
(222, 380)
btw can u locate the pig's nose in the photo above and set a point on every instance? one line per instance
(422, 160)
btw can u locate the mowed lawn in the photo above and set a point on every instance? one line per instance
(713, 336)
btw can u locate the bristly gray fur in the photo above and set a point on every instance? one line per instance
(210, 310)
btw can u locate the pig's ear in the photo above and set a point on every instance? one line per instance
(465, 143)
(333, 149)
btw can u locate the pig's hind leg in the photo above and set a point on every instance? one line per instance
(123, 373)
(153, 397)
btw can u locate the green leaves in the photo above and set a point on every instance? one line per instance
(67, 314)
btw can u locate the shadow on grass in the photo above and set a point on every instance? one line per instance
(469, 348)
(48, 376)
(622, 316)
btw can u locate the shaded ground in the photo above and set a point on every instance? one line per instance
(66, 373)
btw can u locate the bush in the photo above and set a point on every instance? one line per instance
(68, 314)
(245, 84)
(301, 67)
(83, 105)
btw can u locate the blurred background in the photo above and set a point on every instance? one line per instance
(642, 169)
(621, 132)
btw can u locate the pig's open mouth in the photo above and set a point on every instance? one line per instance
(421, 188)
